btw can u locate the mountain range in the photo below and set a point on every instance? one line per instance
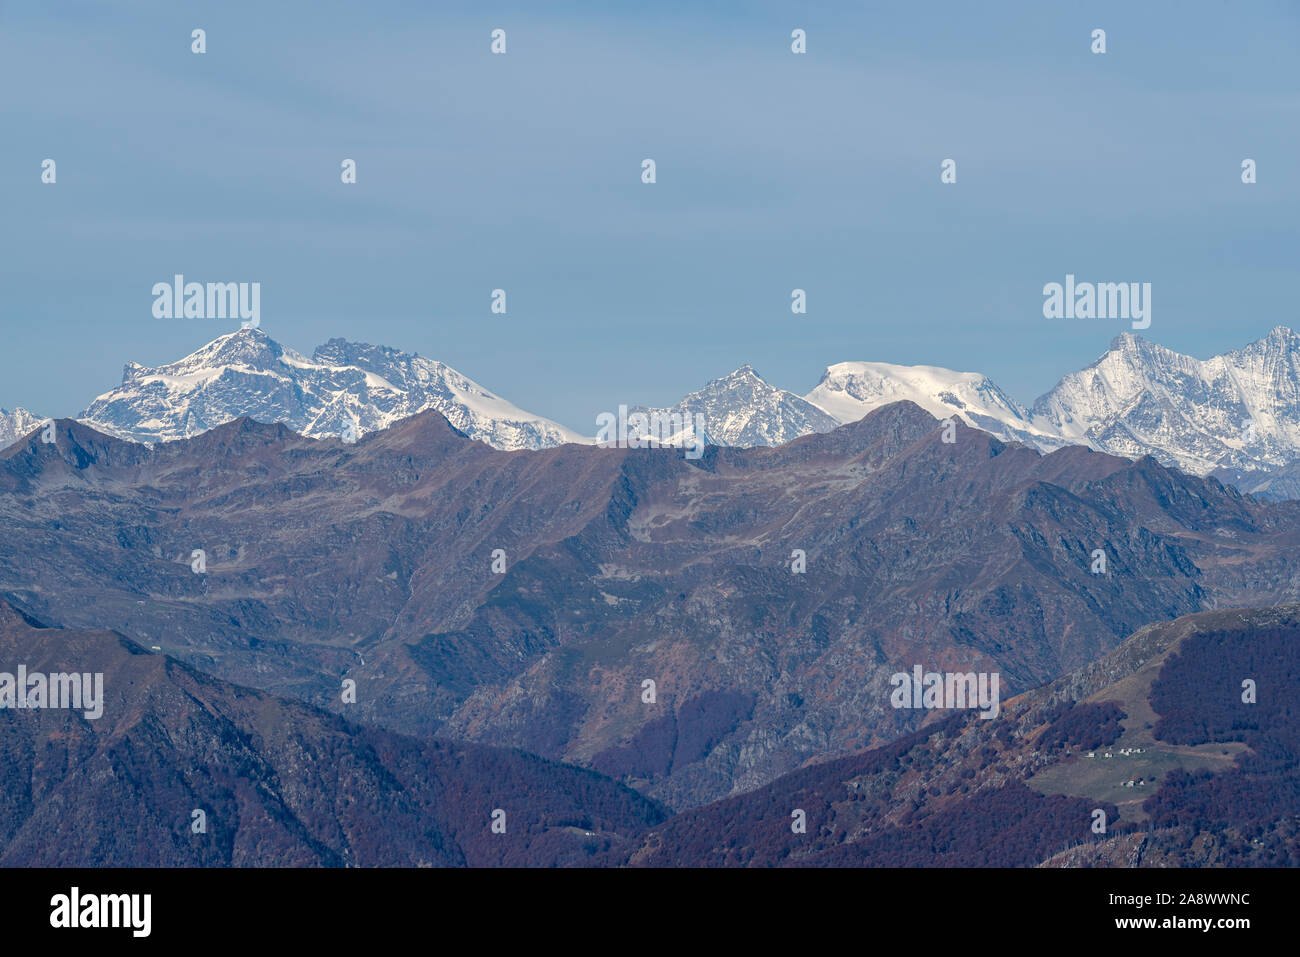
(1236, 416)
(523, 600)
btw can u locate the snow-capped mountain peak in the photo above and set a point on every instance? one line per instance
(849, 390)
(1239, 410)
(344, 388)
(14, 425)
(742, 409)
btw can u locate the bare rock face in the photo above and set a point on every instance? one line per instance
(526, 598)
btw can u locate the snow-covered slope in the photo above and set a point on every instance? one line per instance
(741, 409)
(14, 425)
(343, 384)
(1237, 414)
(1240, 410)
(849, 390)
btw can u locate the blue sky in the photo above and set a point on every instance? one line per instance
(522, 171)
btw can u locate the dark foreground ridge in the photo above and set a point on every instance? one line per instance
(278, 783)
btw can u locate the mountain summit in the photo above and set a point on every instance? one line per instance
(344, 386)
(849, 390)
(742, 409)
(14, 425)
(1239, 410)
